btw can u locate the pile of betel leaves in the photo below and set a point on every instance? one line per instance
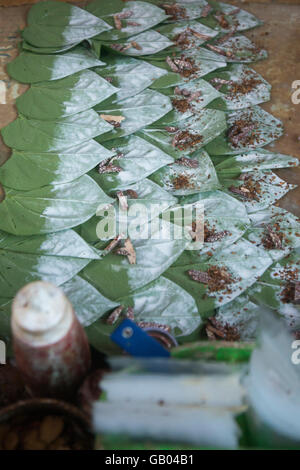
(154, 102)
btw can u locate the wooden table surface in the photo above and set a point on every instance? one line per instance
(280, 35)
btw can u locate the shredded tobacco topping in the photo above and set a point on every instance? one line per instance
(181, 105)
(291, 293)
(250, 189)
(182, 182)
(273, 238)
(241, 133)
(244, 87)
(185, 66)
(217, 330)
(176, 12)
(212, 235)
(183, 140)
(217, 278)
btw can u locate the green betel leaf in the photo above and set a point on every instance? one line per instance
(240, 49)
(143, 44)
(276, 289)
(88, 303)
(201, 63)
(190, 134)
(252, 161)
(32, 68)
(130, 75)
(55, 24)
(187, 34)
(195, 174)
(190, 98)
(165, 303)
(64, 97)
(258, 190)
(43, 136)
(137, 112)
(134, 17)
(25, 46)
(243, 261)
(225, 221)
(243, 88)
(137, 159)
(241, 317)
(248, 129)
(28, 170)
(51, 208)
(276, 230)
(115, 277)
(55, 257)
(237, 19)
(184, 10)
(145, 200)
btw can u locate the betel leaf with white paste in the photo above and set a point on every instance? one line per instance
(222, 215)
(244, 88)
(253, 161)
(53, 23)
(275, 289)
(194, 33)
(144, 44)
(67, 96)
(238, 19)
(203, 62)
(190, 98)
(255, 127)
(88, 303)
(135, 112)
(129, 75)
(145, 202)
(135, 17)
(182, 179)
(243, 261)
(182, 10)
(115, 277)
(26, 170)
(43, 136)
(32, 68)
(240, 49)
(268, 188)
(241, 315)
(285, 230)
(204, 126)
(55, 258)
(50, 208)
(138, 159)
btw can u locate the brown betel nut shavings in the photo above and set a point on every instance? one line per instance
(183, 140)
(250, 189)
(217, 330)
(176, 12)
(273, 238)
(216, 278)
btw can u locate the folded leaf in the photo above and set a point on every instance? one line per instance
(55, 24)
(237, 20)
(252, 161)
(265, 189)
(28, 170)
(244, 262)
(193, 132)
(64, 97)
(88, 303)
(138, 111)
(130, 75)
(114, 277)
(180, 179)
(32, 68)
(245, 88)
(50, 136)
(140, 16)
(187, 34)
(46, 50)
(138, 160)
(184, 10)
(51, 208)
(55, 258)
(284, 234)
(251, 128)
